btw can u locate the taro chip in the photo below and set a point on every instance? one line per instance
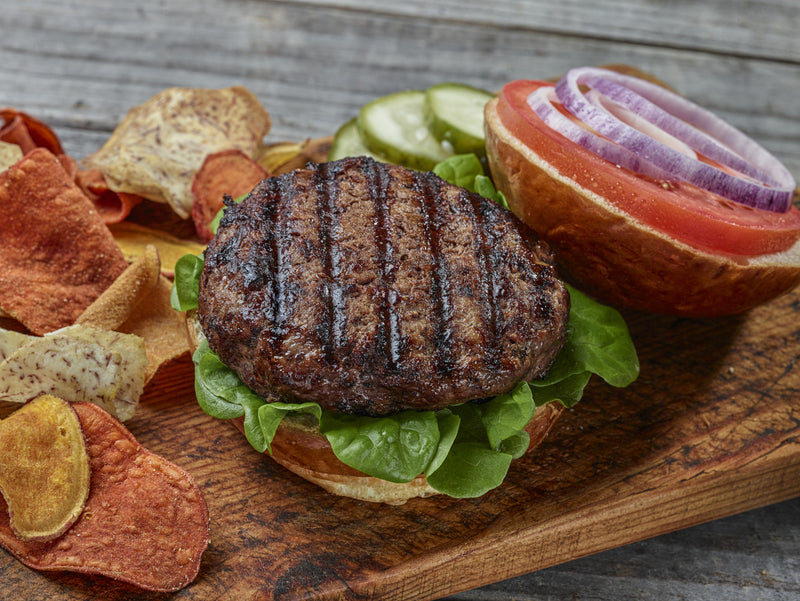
(145, 521)
(44, 468)
(160, 144)
(9, 154)
(76, 363)
(227, 173)
(56, 254)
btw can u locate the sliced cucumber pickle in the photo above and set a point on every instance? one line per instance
(347, 142)
(455, 116)
(396, 127)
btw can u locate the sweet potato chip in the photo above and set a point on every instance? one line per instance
(113, 307)
(282, 157)
(112, 206)
(44, 468)
(76, 363)
(162, 328)
(156, 149)
(229, 172)
(145, 521)
(56, 254)
(133, 239)
(137, 303)
(28, 132)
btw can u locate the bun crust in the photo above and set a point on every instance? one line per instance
(618, 259)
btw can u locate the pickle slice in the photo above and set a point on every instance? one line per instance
(395, 127)
(455, 116)
(348, 143)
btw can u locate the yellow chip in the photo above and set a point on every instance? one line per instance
(9, 154)
(133, 239)
(44, 468)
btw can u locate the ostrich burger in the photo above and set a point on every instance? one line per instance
(379, 331)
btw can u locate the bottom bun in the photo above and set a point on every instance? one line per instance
(300, 447)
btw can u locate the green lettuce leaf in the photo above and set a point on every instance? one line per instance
(466, 171)
(397, 447)
(186, 283)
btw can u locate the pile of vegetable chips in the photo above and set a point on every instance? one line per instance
(86, 323)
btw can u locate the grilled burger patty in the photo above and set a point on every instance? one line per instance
(370, 289)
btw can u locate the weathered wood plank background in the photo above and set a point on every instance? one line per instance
(80, 64)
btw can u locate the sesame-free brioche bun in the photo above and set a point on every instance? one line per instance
(616, 258)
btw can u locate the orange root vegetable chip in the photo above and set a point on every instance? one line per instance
(137, 303)
(145, 521)
(133, 239)
(156, 149)
(28, 132)
(112, 206)
(230, 172)
(76, 363)
(113, 307)
(162, 328)
(44, 468)
(56, 254)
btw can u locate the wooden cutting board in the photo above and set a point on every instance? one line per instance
(711, 428)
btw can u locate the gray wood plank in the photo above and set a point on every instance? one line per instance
(313, 65)
(743, 28)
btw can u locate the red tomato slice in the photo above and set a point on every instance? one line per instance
(682, 211)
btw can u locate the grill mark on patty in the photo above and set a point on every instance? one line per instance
(273, 227)
(332, 324)
(490, 290)
(388, 325)
(428, 188)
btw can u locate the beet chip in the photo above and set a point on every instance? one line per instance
(229, 172)
(56, 254)
(145, 521)
(112, 206)
(28, 132)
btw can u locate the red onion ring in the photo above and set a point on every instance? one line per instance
(750, 174)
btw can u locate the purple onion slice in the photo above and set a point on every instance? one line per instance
(652, 131)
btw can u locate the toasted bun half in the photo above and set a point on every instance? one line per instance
(617, 259)
(300, 447)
